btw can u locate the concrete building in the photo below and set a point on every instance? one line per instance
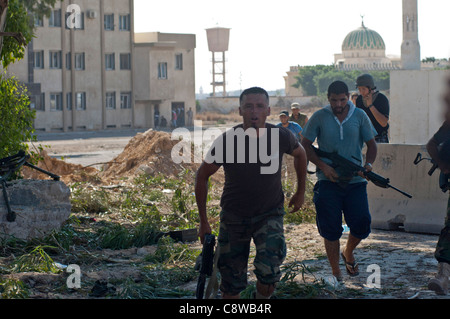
(165, 77)
(82, 71)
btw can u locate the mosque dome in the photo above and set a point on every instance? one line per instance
(363, 38)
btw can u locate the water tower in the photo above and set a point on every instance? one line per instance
(218, 45)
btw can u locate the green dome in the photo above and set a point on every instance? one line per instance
(363, 39)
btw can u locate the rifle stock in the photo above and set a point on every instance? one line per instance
(207, 263)
(353, 169)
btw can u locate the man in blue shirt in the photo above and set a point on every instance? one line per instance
(343, 128)
(295, 128)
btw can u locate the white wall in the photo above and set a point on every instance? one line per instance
(416, 105)
(425, 211)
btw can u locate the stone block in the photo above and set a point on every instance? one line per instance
(425, 211)
(41, 206)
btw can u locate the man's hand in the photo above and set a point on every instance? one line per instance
(297, 201)
(330, 173)
(203, 229)
(368, 168)
(368, 100)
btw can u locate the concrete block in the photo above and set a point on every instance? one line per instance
(423, 213)
(41, 207)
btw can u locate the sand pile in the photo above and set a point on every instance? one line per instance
(146, 153)
(149, 153)
(69, 173)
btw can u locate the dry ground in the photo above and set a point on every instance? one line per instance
(405, 260)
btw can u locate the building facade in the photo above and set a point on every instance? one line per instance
(165, 77)
(81, 69)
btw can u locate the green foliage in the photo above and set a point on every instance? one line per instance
(117, 236)
(314, 80)
(20, 18)
(13, 289)
(16, 118)
(36, 260)
(169, 252)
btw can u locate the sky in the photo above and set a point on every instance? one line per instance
(267, 37)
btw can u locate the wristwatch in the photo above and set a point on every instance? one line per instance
(370, 106)
(368, 164)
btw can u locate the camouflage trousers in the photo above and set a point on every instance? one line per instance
(442, 252)
(234, 239)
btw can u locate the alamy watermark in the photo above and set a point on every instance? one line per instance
(374, 280)
(74, 19)
(74, 279)
(235, 145)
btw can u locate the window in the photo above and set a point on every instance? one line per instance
(38, 59)
(162, 70)
(38, 21)
(55, 18)
(79, 61)
(111, 100)
(69, 100)
(55, 59)
(37, 102)
(109, 61)
(124, 22)
(55, 101)
(125, 61)
(80, 100)
(125, 100)
(109, 22)
(179, 61)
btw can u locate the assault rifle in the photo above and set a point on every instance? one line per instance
(207, 263)
(8, 166)
(444, 182)
(351, 169)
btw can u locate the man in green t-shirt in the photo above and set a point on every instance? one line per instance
(296, 116)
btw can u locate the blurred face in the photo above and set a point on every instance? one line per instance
(295, 111)
(254, 110)
(363, 90)
(338, 102)
(447, 101)
(284, 119)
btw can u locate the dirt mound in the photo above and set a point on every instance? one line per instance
(69, 173)
(150, 153)
(146, 153)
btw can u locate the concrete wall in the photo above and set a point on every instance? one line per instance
(416, 105)
(227, 104)
(425, 211)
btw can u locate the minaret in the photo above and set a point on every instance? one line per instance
(410, 44)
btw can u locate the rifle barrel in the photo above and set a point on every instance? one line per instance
(400, 191)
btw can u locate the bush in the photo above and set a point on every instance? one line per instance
(16, 118)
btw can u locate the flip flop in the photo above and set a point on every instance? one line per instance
(353, 267)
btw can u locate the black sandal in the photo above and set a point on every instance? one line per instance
(353, 266)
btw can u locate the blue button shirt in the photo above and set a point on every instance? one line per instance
(295, 128)
(346, 138)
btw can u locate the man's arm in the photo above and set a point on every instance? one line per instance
(433, 150)
(371, 155)
(327, 170)
(382, 119)
(300, 161)
(201, 193)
